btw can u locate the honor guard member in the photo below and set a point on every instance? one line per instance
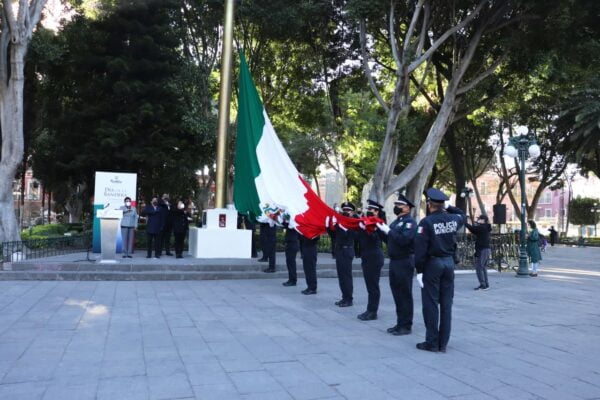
(344, 254)
(309, 263)
(400, 243)
(435, 245)
(372, 260)
(270, 243)
(292, 245)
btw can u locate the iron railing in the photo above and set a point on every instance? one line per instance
(40, 248)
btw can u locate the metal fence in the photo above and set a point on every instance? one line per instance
(39, 248)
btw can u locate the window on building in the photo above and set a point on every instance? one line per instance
(548, 213)
(538, 213)
(546, 197)
(483, 189)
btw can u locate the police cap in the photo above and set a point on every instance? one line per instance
(348, 206)
(436, 195)
(403, 200)
(374, 205)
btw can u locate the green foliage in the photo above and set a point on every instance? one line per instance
(581, 211)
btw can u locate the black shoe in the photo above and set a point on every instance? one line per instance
(486, 287)
(442, 349)
(480, 287)
(178, 256)
(427, 347)
(262, 259)
(289, 283)
(367, 316)
(129, 256)
(168, 254)
(393, 329)
(534, 274)
(157, 257)
(337, 303)
(148, 256)
(401, 332)
(269, 270)
(124, 256)
(345, 303)
(309, 291)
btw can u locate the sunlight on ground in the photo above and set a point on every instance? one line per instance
(572, 271)
(91, 309)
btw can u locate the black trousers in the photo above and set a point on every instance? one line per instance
(372, 262)
(179, 239)
(269, 250)
(401, 283)
(165, 240)
(291, 250)
(343, 263)
(438, 282)
(153, 241)
(309, 264)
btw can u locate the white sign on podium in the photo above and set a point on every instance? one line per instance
(219, 236)
(110, 222)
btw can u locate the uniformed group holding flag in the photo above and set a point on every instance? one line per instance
(269, 189)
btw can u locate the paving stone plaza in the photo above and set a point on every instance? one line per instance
(526, 338)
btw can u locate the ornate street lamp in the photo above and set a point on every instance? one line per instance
(467, 193)
(522, 147)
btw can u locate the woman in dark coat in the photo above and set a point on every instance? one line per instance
(533, 248)
(181, 218)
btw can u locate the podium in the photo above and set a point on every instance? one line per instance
(110, 223)
(219, 236)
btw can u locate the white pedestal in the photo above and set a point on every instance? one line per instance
(220, 238)
(110, 222)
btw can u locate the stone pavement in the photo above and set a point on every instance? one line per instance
(526, 338)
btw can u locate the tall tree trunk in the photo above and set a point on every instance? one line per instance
(11, 124)
(478, 196)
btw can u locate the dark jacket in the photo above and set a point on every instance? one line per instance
(155, 221)
(436, 235)
(482, 236)
(166, 214)
(400, 238)
(180, 220)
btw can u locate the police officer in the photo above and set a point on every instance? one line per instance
(435, 244)
(372, 260)
(400, 237)
(309, 263)
(292, 246)
(344, 254)
(270, 242)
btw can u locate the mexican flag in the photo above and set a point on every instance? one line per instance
(267, 184)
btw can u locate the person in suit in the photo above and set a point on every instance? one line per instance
(129, 224)
(165, 235)
(344, 254)
(180, 220)
(154, 226)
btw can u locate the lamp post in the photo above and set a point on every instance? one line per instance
(595, 209)
(522, 147)
(467, 193)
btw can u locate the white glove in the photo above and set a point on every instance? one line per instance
(420, 280)
(334, 221)
(343, 227)
(383, 227)
(327, 222)
(362, 226)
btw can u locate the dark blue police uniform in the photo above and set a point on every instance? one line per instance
(309, 263)
(372, 261)
(270, 242)
(402, 269)
(435, 245)
(292, 246)
(344, 254)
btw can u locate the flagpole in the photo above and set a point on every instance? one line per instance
(224, 104)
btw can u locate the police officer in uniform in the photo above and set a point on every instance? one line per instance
(400, 237)
(309, 263)
(344, 254)
(372, 260)
(292, 246)
(270, 242)
(435, 244)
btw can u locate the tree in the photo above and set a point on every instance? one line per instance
(428, 27)
(15, 35)
(581, 211)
